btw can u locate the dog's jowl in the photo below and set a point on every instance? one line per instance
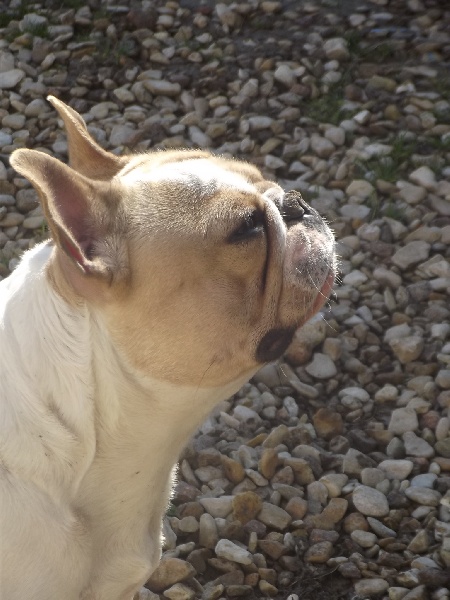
(169, 279)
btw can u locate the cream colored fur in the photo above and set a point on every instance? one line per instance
(116, 341)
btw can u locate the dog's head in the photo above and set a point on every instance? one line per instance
(200, 268)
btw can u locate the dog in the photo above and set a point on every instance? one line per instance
(170, 278)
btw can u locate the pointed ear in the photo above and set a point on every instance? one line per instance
(83, 214)
(85, 155)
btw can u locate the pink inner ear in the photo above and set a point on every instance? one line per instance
(73, 251)
(71, 202)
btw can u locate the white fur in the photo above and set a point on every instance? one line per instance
(87, 448)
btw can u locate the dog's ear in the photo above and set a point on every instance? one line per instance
(85, 155)
(84, 215)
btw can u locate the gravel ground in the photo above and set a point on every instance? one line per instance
(328, 476)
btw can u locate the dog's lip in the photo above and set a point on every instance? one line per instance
(322, 296)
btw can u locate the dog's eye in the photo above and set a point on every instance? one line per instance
(252, 225)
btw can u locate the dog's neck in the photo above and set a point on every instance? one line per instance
(69, 354)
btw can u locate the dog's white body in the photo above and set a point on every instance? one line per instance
(57, 484)
(118, 338)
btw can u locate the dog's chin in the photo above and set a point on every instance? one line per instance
(277, 340)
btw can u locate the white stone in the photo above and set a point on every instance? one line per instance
(371, 587)
(285, 75)
(336, 135)
(397, 332)
(14, 121)
(365, 539)
(403, 420)
(260, 122)
(388, 393)
(423, 496)
(273, 162)
(243, 413)
(336, 49)
(355, 211)
(227, 16)
(6, 61)
(362, 117)
(321, 367)
(5, 138)
(179, 591)
(160, 87)
(387, 277)
(411, 254)
(355, 392)
(230, 551)
(124, 95)
(36, 108)
(416, 446)
(9, 79)
(199, 137)
(355, 278)
(274, 516)
(121, 135)
(424, 177)
(321, 146)
(360, 188)
(377, 149)
(396, 469)
(412, 194)
(31, 20)
(370, 502)
(218, 507)
(408, 348)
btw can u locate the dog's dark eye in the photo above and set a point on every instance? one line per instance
(252, 225)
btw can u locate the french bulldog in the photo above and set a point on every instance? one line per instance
(170, 278)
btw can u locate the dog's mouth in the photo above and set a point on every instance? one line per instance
(322, 297)
(277, 340)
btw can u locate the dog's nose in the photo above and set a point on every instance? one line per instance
(293, 207)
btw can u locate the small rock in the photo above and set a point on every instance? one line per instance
(412, 194)
(336, 49)
(208, 534)
(285, 75)
(179, 591)
(360, 188)
(246, 506)
(274, 516)
(416, 446)
(420, 542)
(365, 539)
(321, 367)
(371, 587)
(411, 254)
(160, 87)
(396, 469)
(319, 553)
(328, 423)
(231, 551)
(423, 496)
(403, 420)
(321, 146)
(169, 571)
(442, 447)
(218, 507)
(370, 502)
(10, 79)
(408, 349)
(424, 177)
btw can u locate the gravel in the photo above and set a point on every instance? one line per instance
(328, 475)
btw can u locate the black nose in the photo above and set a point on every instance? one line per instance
(293, 207)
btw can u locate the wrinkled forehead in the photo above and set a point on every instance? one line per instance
(195, 178)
